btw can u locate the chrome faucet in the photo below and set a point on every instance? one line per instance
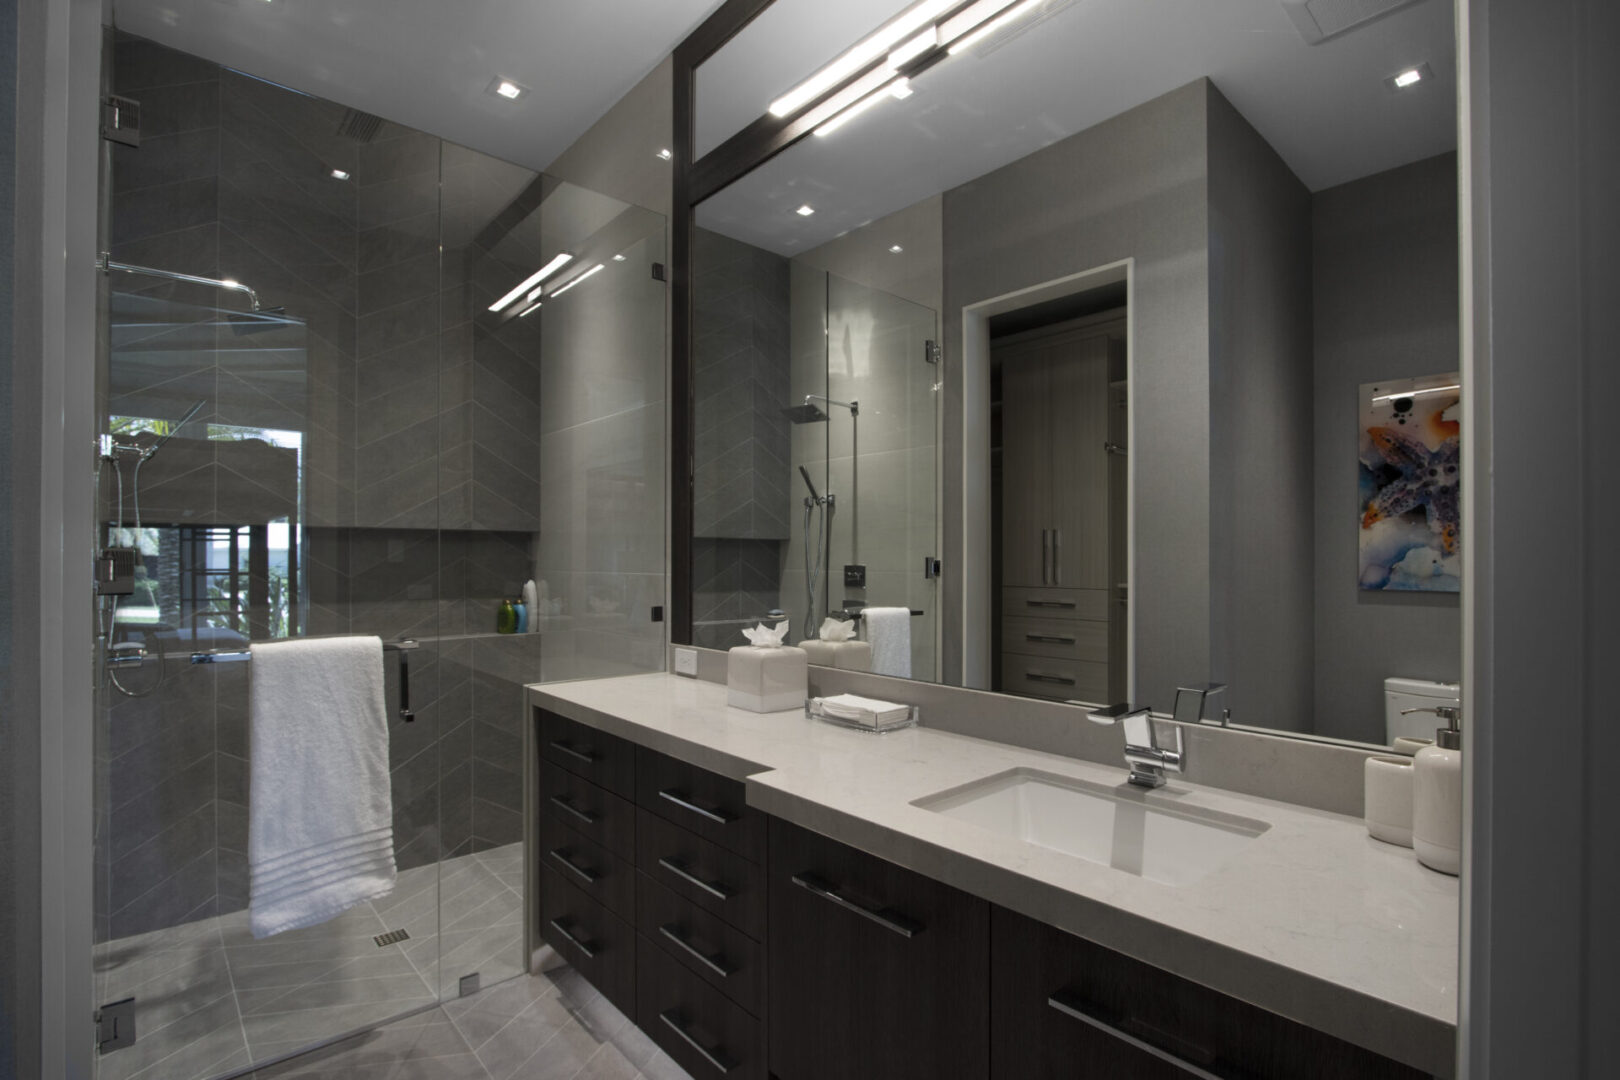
(1148, 760)
(1192, 703)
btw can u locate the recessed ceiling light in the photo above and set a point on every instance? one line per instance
(505, 88)
(1411, 77)
(665, 154)
(339, 174)
(805, 211)
(895, 249)
(557, 263)
(618, 258)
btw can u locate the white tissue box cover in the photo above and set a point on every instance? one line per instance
(849, 655)
(767, 679)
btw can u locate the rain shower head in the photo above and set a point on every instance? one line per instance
(804, 414)
(191, 414)
(257, 320)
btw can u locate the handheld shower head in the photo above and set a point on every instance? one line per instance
(814, 494)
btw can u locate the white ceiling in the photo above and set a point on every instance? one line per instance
(1324, 108)
(428, 63)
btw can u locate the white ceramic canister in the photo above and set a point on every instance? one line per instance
(1388, 798)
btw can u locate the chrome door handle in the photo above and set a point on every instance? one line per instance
(577, 755)
(713, 1057)
(590, 953)
(713, 963)
(892, 921)
(579, 871)
(718, 891)
(569, 808)
(719, 817)
(1070, 1005)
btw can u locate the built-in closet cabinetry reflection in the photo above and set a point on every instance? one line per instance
(1059, 495)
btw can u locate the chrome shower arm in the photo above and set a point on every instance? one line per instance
(105, 263)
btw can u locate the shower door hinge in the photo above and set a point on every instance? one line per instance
(115, 1026)
(121, 120)
(658, 272)
(931, 352)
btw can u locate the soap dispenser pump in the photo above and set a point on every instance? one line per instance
(1437, 795)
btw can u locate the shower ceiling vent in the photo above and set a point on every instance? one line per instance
(362, 127)
(1318, 20)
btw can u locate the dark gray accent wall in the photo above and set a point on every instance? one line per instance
(740, 385)
(1260, 502)
(1385, 275)
(734, 583)
(1133, 187)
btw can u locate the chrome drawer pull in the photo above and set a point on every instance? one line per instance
(719, 892)
(1049, 639)
(579, 871)
(713, 963)
(719, 817)
(590, 953)
(1050, 603)
(889, 920)
(569, 808)
(713, 1057)
(578, 755)
(1071, 1006)
(1035, 676)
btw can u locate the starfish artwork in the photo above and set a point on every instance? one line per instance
(1410, 458)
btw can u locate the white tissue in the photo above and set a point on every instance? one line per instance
(836, 630)
(766, 637)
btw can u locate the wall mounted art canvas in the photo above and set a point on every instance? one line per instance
(1409, 470)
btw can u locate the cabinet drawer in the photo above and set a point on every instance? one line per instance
(1055, 603)
(706, 803)
(703, 873)
(1047, 677)
(594, 812)
(706, 1034)
(705, 944)
(603, 876)
(875, 971)
(1064, 1007)
(1080, 639)
(591, 938)
(599, 757)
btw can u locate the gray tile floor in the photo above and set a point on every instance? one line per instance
(551, 1026)
(213, 1001)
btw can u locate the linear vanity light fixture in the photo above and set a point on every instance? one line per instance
(897, 88)
(901, 29)
(571, 282)
(556, 264)
(988, 24)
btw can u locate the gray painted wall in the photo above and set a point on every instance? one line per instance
(1135, 187)
(1386, 302)
(1260, 558)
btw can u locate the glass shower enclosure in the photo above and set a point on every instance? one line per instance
(320, 419)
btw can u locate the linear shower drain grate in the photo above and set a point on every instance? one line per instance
(393, 937)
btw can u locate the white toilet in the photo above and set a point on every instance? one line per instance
(1400, 694)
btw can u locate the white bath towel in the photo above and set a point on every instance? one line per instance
(320, 810)
(889, 631)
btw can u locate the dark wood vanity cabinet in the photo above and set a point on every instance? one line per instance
(747, 947)
(1063, 1008)
(874, 971)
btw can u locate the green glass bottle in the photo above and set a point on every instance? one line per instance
(506, 620)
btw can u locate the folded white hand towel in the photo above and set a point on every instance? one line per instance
(889, 631)
(863, 710)
(320, 810)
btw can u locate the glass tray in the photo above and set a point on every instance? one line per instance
(812, 709)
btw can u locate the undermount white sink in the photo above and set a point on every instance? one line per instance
(1129, 829)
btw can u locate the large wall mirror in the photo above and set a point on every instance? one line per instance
(1083, 349)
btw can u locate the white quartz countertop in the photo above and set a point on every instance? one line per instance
(1313, 919)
